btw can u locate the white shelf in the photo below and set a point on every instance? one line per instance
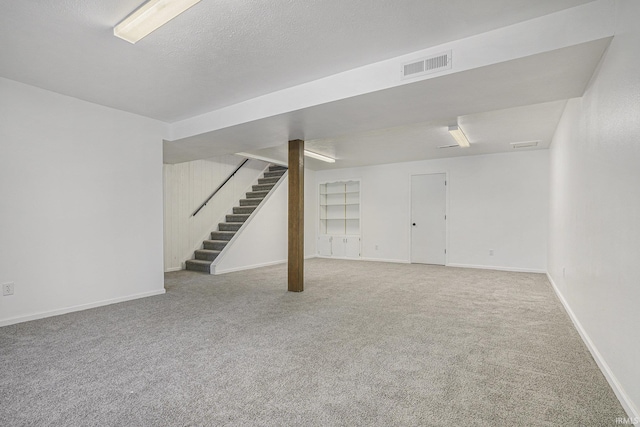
(340, 192)
(339, 207)
(340, 219)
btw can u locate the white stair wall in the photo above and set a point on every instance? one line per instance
(263, 241)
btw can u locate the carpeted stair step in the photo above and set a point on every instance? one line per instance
(222, 235)
(271, 180)
(229, 226)
(236, 218)
(274, 174)
(244, 209)
(206, 254)
(198, 265)
(233, 222)
(257, 194)
(250, 202)
(262, 187)
(215, 245)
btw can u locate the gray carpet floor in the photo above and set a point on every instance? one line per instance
(366, 344)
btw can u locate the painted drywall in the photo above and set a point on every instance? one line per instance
(80, 203)
(186, 186)
(594, 230)
(495, 202)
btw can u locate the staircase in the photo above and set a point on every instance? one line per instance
(226, 230)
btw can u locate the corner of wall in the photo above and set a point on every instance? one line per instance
(617, 388)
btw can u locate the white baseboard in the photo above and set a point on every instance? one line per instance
(493, 267)
(43, 314)
(171, 270)
(395, 261)
(247, 267)
(627, 404)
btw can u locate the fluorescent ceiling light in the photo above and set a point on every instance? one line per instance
(459, 136)
(319, 156)
(149, 17)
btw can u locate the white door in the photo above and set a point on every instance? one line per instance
(428, 220)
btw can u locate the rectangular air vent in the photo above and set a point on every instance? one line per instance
(431, 64)
(524, 144)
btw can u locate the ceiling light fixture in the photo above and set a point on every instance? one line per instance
(319, 156)
(459, 136)
(149, 17)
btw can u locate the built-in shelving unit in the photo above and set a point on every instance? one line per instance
(339, 232)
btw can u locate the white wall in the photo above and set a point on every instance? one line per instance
(80, 203)
(594, 233)
(186, 186)
(497, 202)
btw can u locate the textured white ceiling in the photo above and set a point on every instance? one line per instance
(489, 132)
(221, 52)
(412, 118)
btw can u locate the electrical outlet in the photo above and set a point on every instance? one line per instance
(490, 252)
(7, 289)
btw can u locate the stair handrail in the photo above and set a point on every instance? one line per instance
(219, 187)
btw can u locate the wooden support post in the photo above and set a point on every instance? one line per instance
(296, 215)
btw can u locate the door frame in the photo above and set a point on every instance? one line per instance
(446, 209)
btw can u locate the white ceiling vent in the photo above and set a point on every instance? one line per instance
(524, 144)
(431, 64)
